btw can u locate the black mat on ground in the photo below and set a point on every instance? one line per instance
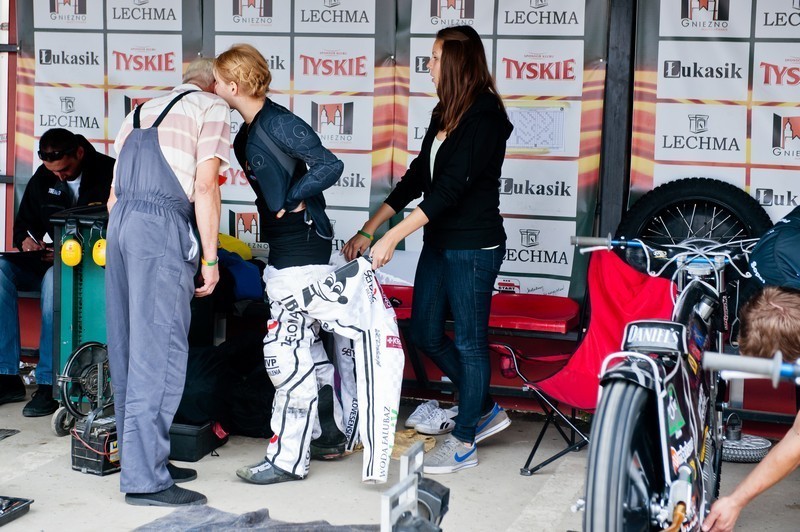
(5, 433)
(197, 518)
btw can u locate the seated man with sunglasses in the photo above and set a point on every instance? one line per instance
(72, 173)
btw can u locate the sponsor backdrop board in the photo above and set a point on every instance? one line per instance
(549, 66)
(358, 75)
(716, 95)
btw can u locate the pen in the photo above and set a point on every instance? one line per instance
(33, 238)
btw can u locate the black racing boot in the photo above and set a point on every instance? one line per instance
(331, 443)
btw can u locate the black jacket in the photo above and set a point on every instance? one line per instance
(275, 188)
(45, 194)
(776, 258)
(462, 201)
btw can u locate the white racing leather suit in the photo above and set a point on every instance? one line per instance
(349, 302)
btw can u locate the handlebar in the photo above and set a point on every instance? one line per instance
(592, 241)
(739, 367)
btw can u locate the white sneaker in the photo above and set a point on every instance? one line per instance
(440, 421)
(421, 412)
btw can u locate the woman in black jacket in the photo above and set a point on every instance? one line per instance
(457, 172)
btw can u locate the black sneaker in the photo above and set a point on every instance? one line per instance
(12, 389)
(41, 403)
(181, 474)
(172, 496)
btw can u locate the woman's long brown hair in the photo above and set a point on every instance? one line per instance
(463, 75)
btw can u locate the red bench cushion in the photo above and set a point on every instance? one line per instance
(534, 312)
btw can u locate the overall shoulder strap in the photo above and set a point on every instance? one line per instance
(168, 107)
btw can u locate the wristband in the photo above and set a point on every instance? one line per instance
(365, 234)
(205, 262)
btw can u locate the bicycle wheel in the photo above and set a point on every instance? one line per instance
(624, 469)
(694, 208)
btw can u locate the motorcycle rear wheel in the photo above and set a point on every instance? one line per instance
(696, 207)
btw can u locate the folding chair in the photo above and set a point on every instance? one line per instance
(533, 314)
(617, 294)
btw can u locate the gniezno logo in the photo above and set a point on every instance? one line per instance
(244, 226)
(699, 124)
(541, 17)
(452, 12)
(527, 187)
(679, 69)
(783, 18)
(335, 16)
(252, 11)
(132, 102)
(786, 136)
(529, 238)
(67, 10)
(67, 119)
(333, 66)
(50, 57)
(142, 13)
(333, 121)
(705, 13)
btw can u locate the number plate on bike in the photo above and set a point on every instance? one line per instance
(648, 336)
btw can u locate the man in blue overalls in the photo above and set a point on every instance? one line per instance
(171, 151)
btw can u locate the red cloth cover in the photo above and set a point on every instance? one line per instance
(618, 294)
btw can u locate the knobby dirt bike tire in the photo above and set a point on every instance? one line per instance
(623, 453)
(694, 207)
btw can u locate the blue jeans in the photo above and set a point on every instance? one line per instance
(461, 282)
(12, 279)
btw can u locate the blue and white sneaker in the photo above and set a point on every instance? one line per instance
(449, 457)
(439, 421)
(492, 423)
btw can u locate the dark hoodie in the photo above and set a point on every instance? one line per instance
(462, 201)
(45, 194)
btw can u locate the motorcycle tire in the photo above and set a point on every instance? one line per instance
(749, 449)
(696, 207)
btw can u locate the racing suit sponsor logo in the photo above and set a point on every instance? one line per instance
(394, 342)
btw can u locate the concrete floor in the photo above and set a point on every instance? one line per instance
(493, 497)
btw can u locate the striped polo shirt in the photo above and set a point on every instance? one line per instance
(196, 129)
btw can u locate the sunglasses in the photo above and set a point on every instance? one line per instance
(51, 156)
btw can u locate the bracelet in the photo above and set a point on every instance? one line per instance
(205, 262)
(365, 234)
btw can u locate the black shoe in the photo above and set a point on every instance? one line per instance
(172, 496)
(181, 474)
(12, 389)
(42, 402)
(265, 473)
